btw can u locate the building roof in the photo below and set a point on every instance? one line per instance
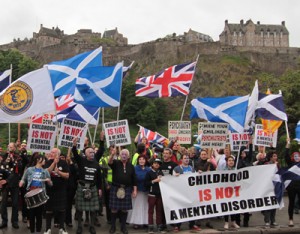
(258, 27)
(110, 33)
(50, 32)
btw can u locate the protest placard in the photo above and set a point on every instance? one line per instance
(69, 130)
(238, 140)
(117, 133)
(214, 135)
(264, 139)
(218, 193)
(180, 130)
(41, 137)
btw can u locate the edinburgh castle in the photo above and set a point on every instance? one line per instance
(51, 44)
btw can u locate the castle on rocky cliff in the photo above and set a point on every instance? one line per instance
(257, 35)
(51, 44)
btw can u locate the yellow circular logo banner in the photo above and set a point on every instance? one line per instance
(17, 98)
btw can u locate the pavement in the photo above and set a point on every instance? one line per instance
(256, 226)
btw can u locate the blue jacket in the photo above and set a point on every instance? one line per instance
(28, 177)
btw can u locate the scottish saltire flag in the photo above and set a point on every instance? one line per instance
(87, 114)
(231, 110)
(281, 182)
(270, 126)
(63, 102)
(126, 69)
(173, 81)
(298, 132)
(64, 73)
(99, 86)
(252, 105)
(271, 106)
(153, 137)
(5, 79)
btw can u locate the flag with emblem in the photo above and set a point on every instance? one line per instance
(5, 79)
(64, 73)
(173, 81)
(29, 95)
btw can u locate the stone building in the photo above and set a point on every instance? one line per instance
(47, 37)
(116, 36)
(193, 36)
(256, 35)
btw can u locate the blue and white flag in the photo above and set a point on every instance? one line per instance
(231, 110)
(99, 86)
(87, 114)
(5, 79)
(126, 69)
(298, 132)
(281, 182)
(271, 107)
(64, 73)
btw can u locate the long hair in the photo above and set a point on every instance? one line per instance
(37, 158)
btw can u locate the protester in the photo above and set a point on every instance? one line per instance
(124, 186)
(107, 178)
(139, 214)
(205, 164)
(152, 178)
(293, 188)
(245, 159)
(269, 215)
(89, 186)
(230, 166)
(185, 168)
(35, 178)
(56, 205)
(14, 164)
(71, 188)
(175, 147)
(138, 139)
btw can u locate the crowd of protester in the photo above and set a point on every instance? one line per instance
(126, 183)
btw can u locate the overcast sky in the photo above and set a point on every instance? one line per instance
(142, 20)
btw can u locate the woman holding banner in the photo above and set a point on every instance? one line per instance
(230, 166)
(35, 178)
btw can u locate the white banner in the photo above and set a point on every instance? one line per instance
(70, 129)
(198, 196)
(181, 130)
(263, 138)
(41, 137)
(117, 133)
(214, 135)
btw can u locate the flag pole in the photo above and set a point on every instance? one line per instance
(9, 123)
(96, 127)
(186, 97)
(87, 123)
(287, 130)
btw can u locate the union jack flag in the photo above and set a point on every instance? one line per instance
(63, 102)
(153, 137)
(171, 82)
